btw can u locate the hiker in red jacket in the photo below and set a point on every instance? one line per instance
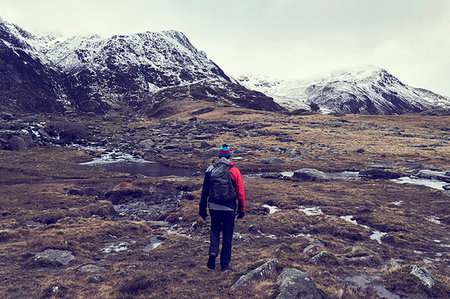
(222, 186)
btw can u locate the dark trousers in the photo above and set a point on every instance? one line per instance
(221, 221)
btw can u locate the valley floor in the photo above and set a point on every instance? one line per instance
(73, 230)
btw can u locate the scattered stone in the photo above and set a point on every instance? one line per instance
(154, 242)
(91, 268)
(240, 238)
(17, 144)
(255, 274)
(310, 248)
(423, 275)
(95, 278)
(297, 284)
(33, 224)
(360, 151)
(63, 257)
(147, 144)
(309, 175)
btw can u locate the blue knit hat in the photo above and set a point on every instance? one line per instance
(224, 151)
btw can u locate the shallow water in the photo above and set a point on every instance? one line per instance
(432, 183)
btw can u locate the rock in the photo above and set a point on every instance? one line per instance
(434, 175)
(6, 116)
(324, 258)
(33, 224)
(186, 147)
(272, 160)
(91, 268)
(297, 284)
(17, 144)
(309, 175)
(147, 144)
(74, 191)
(255, 274)
(376, 173)
(240, 238)
(271, 175)
(154, 242)
(63, 257)
(210, 153)
(423, 275)
(310, 248)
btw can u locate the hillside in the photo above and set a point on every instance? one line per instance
(96, 74)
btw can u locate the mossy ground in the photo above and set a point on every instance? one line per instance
(35, 186)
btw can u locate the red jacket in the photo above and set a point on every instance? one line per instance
(236, 177)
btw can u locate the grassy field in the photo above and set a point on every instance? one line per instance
(50, 201)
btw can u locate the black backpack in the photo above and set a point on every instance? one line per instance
(222, 189)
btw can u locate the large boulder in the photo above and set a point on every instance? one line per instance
(17, 143)
(255, 274)
(375, 173)
(309, 175)
(297, 284)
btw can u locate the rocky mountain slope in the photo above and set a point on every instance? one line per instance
(369, 90)
(95, 74)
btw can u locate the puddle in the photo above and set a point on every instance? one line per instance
(376, 235)
(311, 211)
(117, 161)
(272, 209)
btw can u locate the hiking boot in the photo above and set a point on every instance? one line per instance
(226, 267)
(211, 261)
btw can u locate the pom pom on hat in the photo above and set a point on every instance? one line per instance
(224, 151)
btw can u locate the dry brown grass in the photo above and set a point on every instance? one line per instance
(34, 185)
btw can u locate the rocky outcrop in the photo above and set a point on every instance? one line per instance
(309, 175)
(297, 284)
(255, 274)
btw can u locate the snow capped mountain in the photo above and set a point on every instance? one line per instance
(94, 73)
(368, 90)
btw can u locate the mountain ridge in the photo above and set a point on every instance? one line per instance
(95, 74)
(365, 90)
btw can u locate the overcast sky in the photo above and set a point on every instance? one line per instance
(278, 38)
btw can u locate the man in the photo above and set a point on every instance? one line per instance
(222, 186)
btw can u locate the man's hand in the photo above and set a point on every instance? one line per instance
(203, 214)
(240, 215)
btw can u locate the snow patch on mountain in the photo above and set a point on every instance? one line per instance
(365, 90)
